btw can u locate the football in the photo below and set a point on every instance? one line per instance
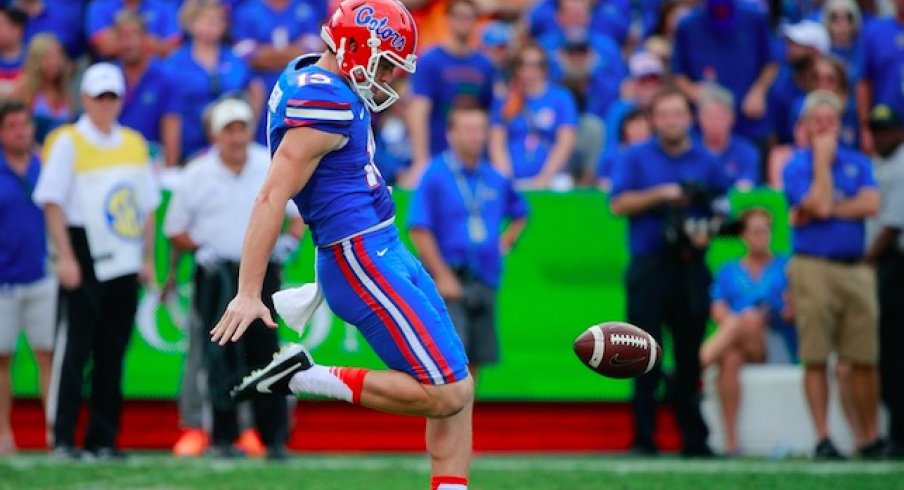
(618, 350)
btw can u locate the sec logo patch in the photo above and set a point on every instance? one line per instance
(121, 210)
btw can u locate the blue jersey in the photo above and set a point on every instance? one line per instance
(346, 194)
(740, 160)
(833, 237)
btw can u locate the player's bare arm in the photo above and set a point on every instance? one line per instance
(294, 162)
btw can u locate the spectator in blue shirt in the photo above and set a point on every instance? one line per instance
(739, 158)
(450, 74)
(28, 295)
(670, 189)
(533, 128)
(463, 216)
(647, 79)
(829, 73)
(634, 129)
(45, 85)
(728, 43)
(159, 16)
(206, 70)
(610, 18)
(883, 64)
(148, 105)
(748, 299)
(270, 33)
(64, 21)
(831, 191)
(806, 41)
(843, 21)
(12, 48)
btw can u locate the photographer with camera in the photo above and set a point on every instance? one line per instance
(673, 194)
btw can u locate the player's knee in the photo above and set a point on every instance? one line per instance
(843, 370)
(450, 399)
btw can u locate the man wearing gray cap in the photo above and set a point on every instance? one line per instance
(99, 196)
(207, 216)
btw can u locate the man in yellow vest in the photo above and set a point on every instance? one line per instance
(99, 196)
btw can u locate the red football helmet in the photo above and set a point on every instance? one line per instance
(362, 33)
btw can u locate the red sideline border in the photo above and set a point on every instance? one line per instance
(338, 426)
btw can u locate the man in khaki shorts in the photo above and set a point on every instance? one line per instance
(27, 293)
(832, 191)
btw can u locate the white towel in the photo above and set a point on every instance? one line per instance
(297, 305)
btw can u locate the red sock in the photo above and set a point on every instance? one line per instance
(448, 483)
(353, 378)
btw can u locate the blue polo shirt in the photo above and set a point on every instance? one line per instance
(733, 59)
(439, 206)
(145, 103)
(607, 69)
(257, 24)
(883, 61)
(833, 237)
(160, 17)
(196, 88)
(532, 132)
(740, 161)
(447, 79)
(646, 165)
(23, 245)
(64, 22)
(735, 286)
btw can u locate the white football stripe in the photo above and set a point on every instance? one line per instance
(653, 353)
(599, 346)
(416, 345)
(322, 114)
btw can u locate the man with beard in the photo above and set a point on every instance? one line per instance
(665, 186)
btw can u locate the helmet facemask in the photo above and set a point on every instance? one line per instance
(364, 78)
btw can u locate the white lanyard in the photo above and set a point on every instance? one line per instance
(477, 230)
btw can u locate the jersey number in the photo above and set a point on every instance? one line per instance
(306, 78)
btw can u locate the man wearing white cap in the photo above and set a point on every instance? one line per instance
(207, 215)
(806, 41)
(99, 196)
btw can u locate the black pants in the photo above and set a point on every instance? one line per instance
(891, 340)
(665, 290)
(96, 323)
(227, 365)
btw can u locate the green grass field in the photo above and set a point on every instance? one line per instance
(394, 472)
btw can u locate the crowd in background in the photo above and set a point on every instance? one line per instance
(607, 94)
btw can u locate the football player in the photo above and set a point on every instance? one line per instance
(322, 157)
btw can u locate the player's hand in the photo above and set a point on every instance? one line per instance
(69, 272)
(448, 286)
(240, 313)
